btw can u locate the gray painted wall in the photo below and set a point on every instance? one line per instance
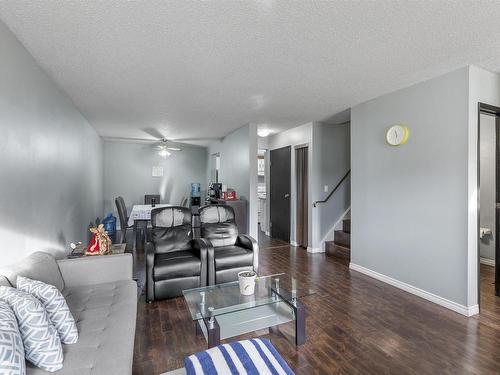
(332, 159)
(234, 151)
(128, 168)
(238, 167)
(409, 203)
(484, 87)
(487, 184)
(51, 160)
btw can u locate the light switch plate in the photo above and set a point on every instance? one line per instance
(325, 188)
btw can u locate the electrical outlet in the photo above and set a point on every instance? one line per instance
(325, 188)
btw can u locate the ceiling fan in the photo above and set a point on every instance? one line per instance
(161, 143)
(164, 149)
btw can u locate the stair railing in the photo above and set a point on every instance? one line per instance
(334, 189)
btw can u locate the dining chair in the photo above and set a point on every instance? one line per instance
(122, 215)
(148, 198)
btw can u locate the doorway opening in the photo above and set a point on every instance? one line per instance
(488, 206)
(302, 183)
(262, 156)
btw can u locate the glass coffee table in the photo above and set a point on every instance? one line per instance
(221, 312)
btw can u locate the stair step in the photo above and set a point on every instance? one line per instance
(337, 251)
(346, 225)
(342, 238)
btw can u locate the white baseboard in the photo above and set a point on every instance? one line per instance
(461, 309)
(488, 262)
(314, 250)
(293, 243)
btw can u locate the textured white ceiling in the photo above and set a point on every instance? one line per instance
(201, 69)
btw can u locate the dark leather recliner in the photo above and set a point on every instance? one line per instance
(174, 260)
(228, 252)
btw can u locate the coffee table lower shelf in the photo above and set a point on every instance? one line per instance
(233, 324)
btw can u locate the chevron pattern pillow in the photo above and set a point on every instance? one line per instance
(11, 344)
(42, 345)
(55, 305)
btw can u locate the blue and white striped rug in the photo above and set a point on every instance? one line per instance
(247, 357)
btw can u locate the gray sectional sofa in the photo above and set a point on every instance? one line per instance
(102, 296)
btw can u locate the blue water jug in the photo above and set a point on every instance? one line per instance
(110, 226)
(195, 189)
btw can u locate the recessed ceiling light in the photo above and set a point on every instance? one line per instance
(263, 132)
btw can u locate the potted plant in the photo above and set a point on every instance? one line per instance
(246, 280)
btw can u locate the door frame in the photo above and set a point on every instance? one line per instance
(484, 108)
(295, 178)
(289, 147)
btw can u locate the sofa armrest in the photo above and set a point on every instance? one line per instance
(96, 269)
(250, 243)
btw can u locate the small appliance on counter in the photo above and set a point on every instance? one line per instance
(214, 190)
(217, 187)
(229, 195)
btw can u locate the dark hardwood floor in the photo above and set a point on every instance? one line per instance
(355, 324)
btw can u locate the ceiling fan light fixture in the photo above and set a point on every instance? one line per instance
(164, 153)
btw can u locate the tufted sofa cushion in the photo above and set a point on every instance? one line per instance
(105, 315)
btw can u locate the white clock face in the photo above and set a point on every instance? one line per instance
(397, 135)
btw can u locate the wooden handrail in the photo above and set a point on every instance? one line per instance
(334, 189)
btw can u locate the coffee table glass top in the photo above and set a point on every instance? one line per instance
(226, 298)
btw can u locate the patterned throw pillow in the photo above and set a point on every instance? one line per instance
(55, 305)
(42, 345)
(11, 344)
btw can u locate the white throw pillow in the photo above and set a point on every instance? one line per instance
(12, 360)
(42, 345)
(55, 305)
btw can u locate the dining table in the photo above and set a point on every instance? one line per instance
(142, 213)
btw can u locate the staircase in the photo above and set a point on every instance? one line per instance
(341, 244)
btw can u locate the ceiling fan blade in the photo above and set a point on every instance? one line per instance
(194, 139)
(128, 139)
(174, 149)
(153, 133)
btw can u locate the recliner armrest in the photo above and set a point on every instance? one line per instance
(200, 247)
(250, 243)
(150, 263)
(210, 262)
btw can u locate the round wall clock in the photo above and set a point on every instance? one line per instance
(397, 135)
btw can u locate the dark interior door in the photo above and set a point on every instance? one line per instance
(279, 199)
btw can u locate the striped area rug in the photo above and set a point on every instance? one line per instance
(247, 357)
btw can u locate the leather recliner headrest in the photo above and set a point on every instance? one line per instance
(168, 217)
(218, 213)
